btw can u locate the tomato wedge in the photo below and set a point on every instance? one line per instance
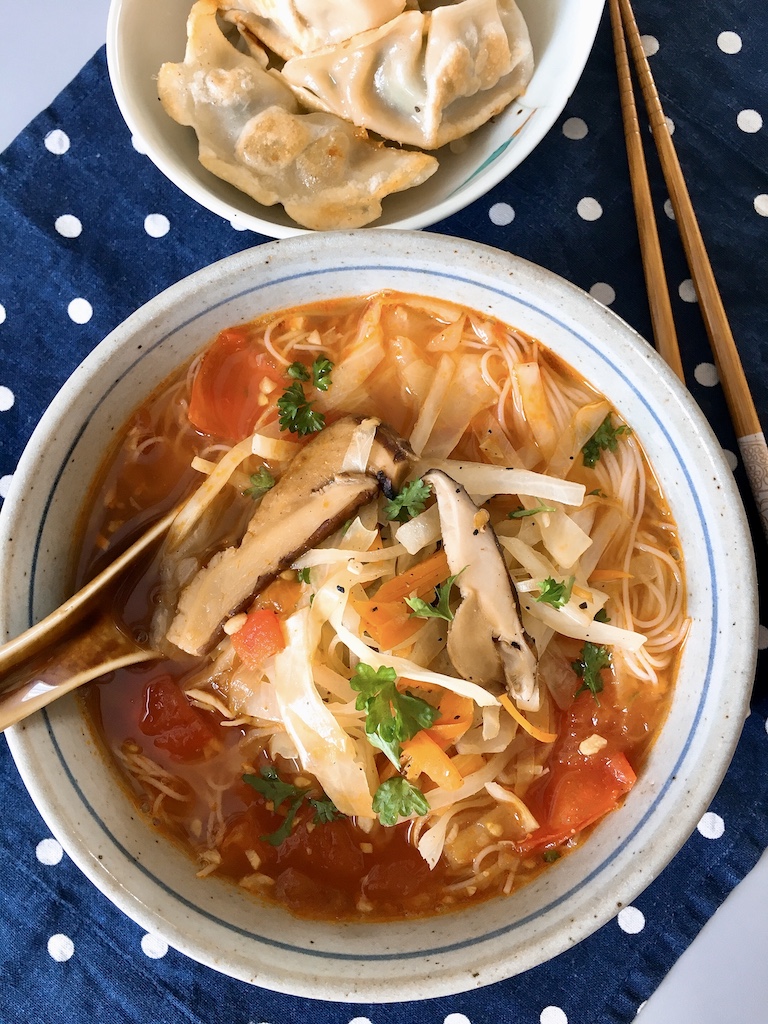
(575, 795)
(174, 723)
(227, 396)
(259, 637)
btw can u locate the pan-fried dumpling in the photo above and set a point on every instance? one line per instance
(293, 27)
(424, 78)
(325, 172)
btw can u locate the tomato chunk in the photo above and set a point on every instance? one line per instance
(174, 723)
(227, 395)
(575, 795)
(259, 637)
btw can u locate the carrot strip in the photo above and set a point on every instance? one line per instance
(530, 728)
(423, 756)
(421, 578)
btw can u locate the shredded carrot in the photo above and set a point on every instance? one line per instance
(468, 764)
(420, 578)
(538, 734)
(456, 713)
(609, 575)
(386, 616)
(422, 755)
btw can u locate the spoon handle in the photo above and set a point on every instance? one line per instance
(40, 636)
(96, 650)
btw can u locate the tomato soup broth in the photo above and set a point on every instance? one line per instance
(453, 789)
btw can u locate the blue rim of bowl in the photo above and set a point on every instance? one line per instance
(663, 788)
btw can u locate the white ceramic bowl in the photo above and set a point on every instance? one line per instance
(143, 34)
(214, 921)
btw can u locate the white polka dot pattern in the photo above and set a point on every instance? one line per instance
(501, 214)
(57, 142)
(575, 128)
(603, 293)
(711, 825)
(5, 485)
(61, 948)
(650, 45)
(153, 946)
(138, 145)
(729, 42)
(749, 121)
(68, 226)
(156, 225)
(668, 209)
(631, 920)
(552, 1015)
(360, 1020)
(731, 459)
(80, 310)
(49, 851)
(2, 314)
(762, 637)
(457, 1018)
(589, 209)
(7, 398)
(687, 291)
(706, 375)
(761, 204)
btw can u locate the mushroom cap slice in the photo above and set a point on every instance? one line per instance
(486, 640)
(311, 500)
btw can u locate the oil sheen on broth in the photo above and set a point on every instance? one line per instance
(434, 696)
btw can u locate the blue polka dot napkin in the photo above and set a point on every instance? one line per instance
(90, 230)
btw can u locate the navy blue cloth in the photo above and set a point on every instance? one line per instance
(66, 954)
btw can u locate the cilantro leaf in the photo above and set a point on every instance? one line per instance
(593, 659)
(398, 798)
(272, 787)
(521, 513)
(409, 502)
(391, 716)
(303, 574)
(261, 482)
(442, 609)
(605, 438)
(298, 371)
(325, 811)
(321, 373)
(550, 856)
(296, 413)
(602, 616)
(554, 593)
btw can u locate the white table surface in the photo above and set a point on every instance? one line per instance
(723, 977)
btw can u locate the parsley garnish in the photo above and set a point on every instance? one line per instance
(521, 513)
(602, 616)
(605, 438)
(303, 575)
(272, 787)
(439, 610)
(296, 413)
(554, 593)
(391, 716)
(261, 482)
(597, 493)
(550, 856)
(398, 798)
(321, 373)
(298, 371)
(410, 502)
(588, 667)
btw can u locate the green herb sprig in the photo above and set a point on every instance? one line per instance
(593, 659)
(261, 482)
(398, 798)
(410, 502)
(273, 788)
(554, 592)
(441, 608)
(604, 439)
(391, 716)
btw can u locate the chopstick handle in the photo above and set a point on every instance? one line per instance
(659, 303)
(741, 405)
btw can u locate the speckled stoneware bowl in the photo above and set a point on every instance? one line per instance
(143, 34)
(216, 922)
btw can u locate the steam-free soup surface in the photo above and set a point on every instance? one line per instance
(324, 750)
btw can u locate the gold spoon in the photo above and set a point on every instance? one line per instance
(49, 659)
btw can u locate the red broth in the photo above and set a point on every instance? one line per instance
(184, 761)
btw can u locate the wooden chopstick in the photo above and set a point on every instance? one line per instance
(749, 432)
(662, 318)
